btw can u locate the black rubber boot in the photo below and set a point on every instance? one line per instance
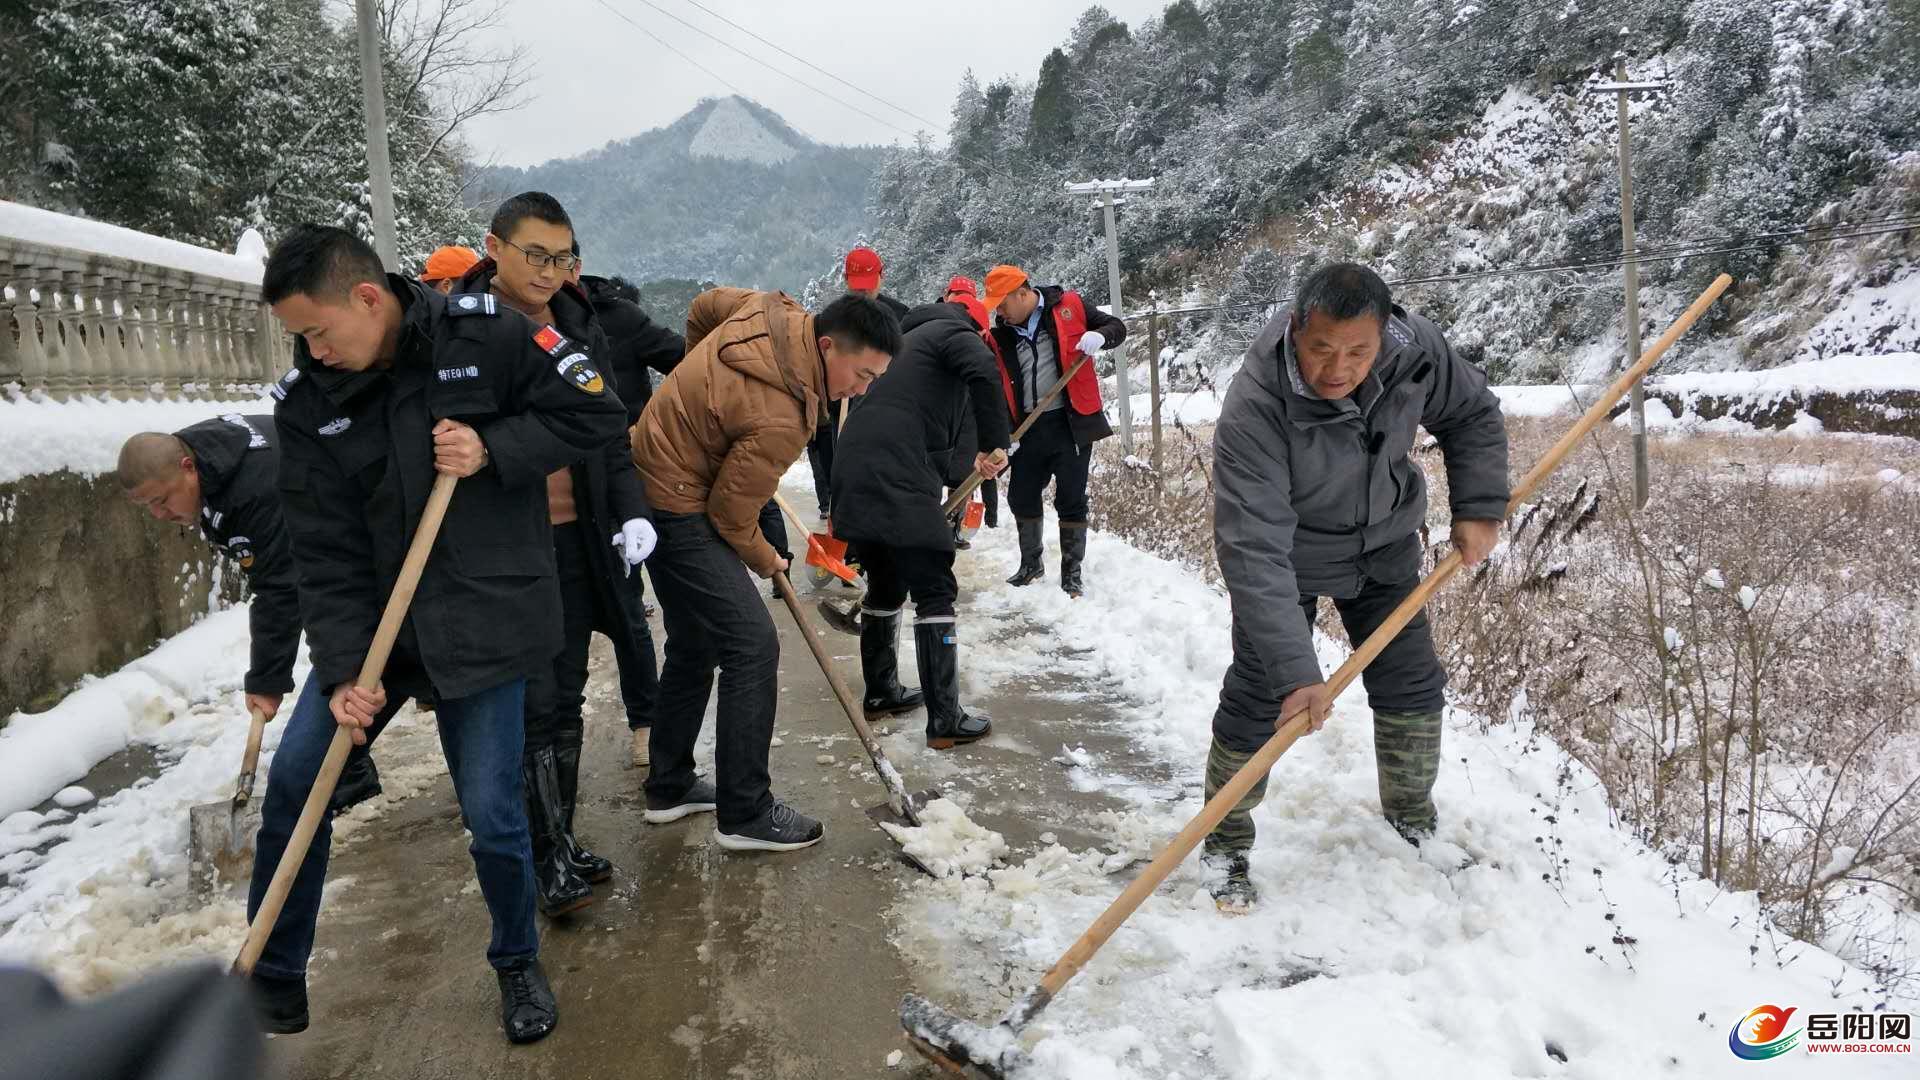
(359, 781)
(1073, 552)
(556, 888)
(279, 1005)
(880, 666)
(1031, 552)
(960, 541)
(527, 1009)
(566, 762)
(948, 725)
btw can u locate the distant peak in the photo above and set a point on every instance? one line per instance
(732, 132)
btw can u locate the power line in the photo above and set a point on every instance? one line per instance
(1725, 246)
(777, 71)
(664, 43)
(777, 48)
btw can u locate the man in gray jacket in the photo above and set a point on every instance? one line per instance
(1314, 495)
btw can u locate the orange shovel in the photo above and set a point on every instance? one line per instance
(823, 551)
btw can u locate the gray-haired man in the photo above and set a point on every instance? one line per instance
(1314, 495)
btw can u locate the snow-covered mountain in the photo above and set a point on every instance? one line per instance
(728, 192)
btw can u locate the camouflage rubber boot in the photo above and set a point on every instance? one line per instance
(1406, 750)
(1228, 845)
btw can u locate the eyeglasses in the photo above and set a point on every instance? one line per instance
(566, 260)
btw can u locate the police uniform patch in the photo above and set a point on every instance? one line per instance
(577, 370)
(279, 389)
(473, 304)
(242, 549)
(337, 425)
(552, 341)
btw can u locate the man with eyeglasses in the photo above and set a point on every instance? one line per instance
(530, 267)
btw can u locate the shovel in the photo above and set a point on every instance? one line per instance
(823, 551)
(967, 487)
(370, 671)
(899, 804)
(220, 835)
(955, 1043)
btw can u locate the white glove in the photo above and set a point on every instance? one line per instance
(1092, 342)
(635, 542)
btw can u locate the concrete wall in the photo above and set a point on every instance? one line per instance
(87, 582)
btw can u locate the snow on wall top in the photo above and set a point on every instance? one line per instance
(99, 238)
(733, 133)
(1838, 375)
(84, 435)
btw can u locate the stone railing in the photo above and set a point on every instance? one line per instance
(93, 309)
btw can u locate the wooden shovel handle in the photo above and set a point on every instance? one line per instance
(960, 494)
(250, 761)
(856, 714)
(1291, 728)
(370, 670)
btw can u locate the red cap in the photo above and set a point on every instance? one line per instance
(863, 268)
(962, 285)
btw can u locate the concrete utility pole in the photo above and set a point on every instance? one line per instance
(1624, 89)
(1110, 191)
(1153, 372)
(379, 171)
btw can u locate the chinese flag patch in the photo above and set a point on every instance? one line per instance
(549, 339)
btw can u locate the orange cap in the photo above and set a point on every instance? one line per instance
(1003, 281)
(449, 263)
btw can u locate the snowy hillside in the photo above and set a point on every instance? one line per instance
(729, 192)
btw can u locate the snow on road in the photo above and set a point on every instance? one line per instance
(1565, 938)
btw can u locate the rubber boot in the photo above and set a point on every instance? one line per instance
(948, 725)
(1230, 842)
(1406, 752)
(557, 889)
(566, 763)
(1032, 568)
(880, 665)
(1073, 552)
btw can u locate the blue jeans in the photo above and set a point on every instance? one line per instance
(481, 736)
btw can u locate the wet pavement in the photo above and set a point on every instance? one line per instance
(697, 963)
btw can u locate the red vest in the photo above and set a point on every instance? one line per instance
(1069, 322)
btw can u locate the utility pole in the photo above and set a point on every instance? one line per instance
(1153, 372)
(1638, 402)
(1110, 191)
(379, 170)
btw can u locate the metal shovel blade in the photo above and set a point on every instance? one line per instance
(220, 844)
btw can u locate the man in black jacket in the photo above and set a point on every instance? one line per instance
(886, 503)
(530, 264)
(864, 273)
(639, 347)
(391, 385)
(222, 473)
(1039, 335)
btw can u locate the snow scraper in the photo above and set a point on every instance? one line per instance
(958, 1045)
(370, 671)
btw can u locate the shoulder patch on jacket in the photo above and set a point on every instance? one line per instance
(280, 388)
(551, 341)
(473, 304)
(255, 440)
(577, 370)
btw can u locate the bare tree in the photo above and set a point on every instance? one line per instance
(450, 64)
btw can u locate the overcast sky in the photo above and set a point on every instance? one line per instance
(597, 78)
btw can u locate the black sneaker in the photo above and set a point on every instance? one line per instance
(527, 1009)
(279, 1005)
(699, 799)
(359, 781)
(781, 828)
(1233, 892)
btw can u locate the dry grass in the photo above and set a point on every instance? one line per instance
(1768, 740)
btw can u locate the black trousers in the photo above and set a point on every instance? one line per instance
(1406, 677)
(894, 573)
(820, 458)
(1048, 454)
(589, 605)
(773, 524)
(715, 618)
